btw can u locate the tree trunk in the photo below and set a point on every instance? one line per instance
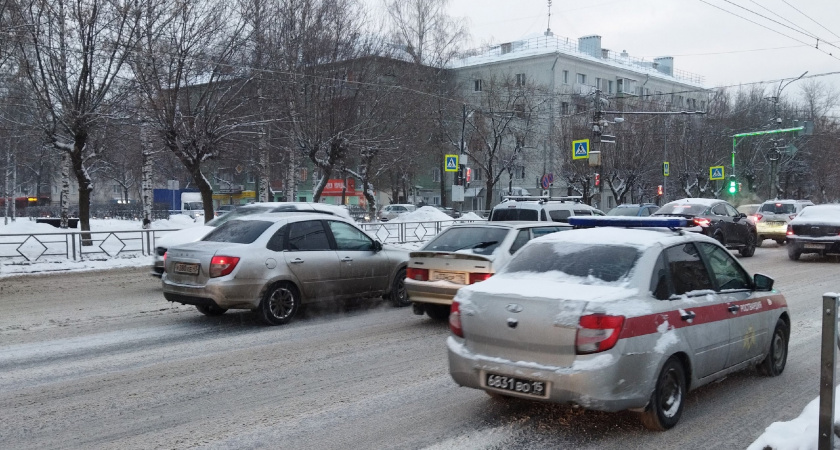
(14, 186)
(65, 188)
(85, 185)
(146, 195)
(290, 183)
(6, 191)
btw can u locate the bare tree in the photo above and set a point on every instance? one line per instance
(73, 55)
(425, 32)
(192, 87)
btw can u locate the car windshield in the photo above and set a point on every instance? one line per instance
(624, 211)
(503, 214)
(605, 262)
(778, 208)
(479, 240)
(193, 206)
(238, 231)
(681, 209)
(236, 213)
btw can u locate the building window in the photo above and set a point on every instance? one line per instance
(581, 78)
(477, 86)
(610, 86)
(597, 83)
(620, 84)
(302, 174)
(251, 178)
(117, 189)
(518, 172)
(436, 174)
(564, 108)
(520, 79)
(702, 105)
(647, 92)
(566, 77)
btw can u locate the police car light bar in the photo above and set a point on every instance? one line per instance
(628, 222)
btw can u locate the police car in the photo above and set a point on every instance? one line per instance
(629, 314)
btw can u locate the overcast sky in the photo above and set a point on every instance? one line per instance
(703, 39)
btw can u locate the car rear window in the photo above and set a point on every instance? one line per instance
(778, 208)
(604, 262)
(501, 214)
(480, 240)
(238, 212)
(627, 211)
(560, 215)
(688, 209)
(238, 231)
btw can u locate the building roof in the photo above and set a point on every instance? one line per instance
(547, 45)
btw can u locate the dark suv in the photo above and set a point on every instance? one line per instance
(718, 219)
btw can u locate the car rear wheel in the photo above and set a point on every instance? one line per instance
(280, 304)
(793, 253)
(438, 312)
(398, 295)
(775, 361)
(780, 241)
(749, 248)
(666, 403)
(210, 310)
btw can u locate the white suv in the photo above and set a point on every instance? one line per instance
(547, 209)
(773, 216)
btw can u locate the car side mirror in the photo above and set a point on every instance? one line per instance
(762, 282)
(377, 246)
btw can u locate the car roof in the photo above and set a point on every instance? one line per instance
(641, 238)
(699, 201)
(635, 205)
(512, 224)
(786, 201)
(289, 216)
(290, 207)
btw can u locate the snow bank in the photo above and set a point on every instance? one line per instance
(798, 434)
(424, 214)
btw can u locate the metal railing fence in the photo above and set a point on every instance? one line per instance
(76, 245)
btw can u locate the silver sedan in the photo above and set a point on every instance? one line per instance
(274, 263)
(613, 319)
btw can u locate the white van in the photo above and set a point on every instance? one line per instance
(546, 209)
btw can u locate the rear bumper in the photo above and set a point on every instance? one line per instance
(767, 231)
(224, 293)
(437, 292)
(823, 245)
(606, 381)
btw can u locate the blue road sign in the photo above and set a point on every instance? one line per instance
(580, 149)
(451, 163)
(716, 173)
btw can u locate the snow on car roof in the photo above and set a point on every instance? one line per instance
(633, 237)
(698, 201)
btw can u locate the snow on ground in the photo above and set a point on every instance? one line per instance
(423, 214)
(798, 434)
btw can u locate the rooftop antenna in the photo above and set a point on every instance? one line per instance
(548, 30)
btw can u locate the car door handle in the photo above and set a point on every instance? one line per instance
(687, 315)
(297, 261)
(347, 259)
(734, 308)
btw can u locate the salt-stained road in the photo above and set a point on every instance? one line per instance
(101, 360)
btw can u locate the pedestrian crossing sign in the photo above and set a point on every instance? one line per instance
(716, 173)
(580, 149)
(451, 163)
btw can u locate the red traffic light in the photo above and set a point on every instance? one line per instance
(659, 190)
(597, 179)
(469, 174)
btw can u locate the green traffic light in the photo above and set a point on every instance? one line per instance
(733, 188)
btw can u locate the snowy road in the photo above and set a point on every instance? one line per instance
(101, 360)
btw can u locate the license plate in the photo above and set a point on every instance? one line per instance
(452, 277)
(817, 246)
(518, 385)
(186, 268)
(777, 224)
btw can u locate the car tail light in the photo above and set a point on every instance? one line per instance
(476, 277)
(222, 265)
(455, 319)
(164, 258)
(417, 274)
(597, 333)
(790, 231)
(792, 216)
(757, 217)
(702, 222)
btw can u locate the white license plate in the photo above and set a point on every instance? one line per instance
(515, 384)
(452, 277)
(816, 246)
(186, 268)
(777, 224)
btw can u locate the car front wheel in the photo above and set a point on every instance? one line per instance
(280, 303)
(666, 403)
(398, 295)
(775, 361)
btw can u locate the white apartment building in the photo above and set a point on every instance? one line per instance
(568, 71)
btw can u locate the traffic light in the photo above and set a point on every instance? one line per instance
(659, 190)
(459, 176)
(733, 185)
(597, 179)
(469, 174)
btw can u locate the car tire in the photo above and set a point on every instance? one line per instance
(280, 304)
(781, 241)
(759, 242)
(437, 312)
(399, 297)
(668, 398)
(793, 253)
(749, 249)
(719, 237)
(210, 310)
(774, 363)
